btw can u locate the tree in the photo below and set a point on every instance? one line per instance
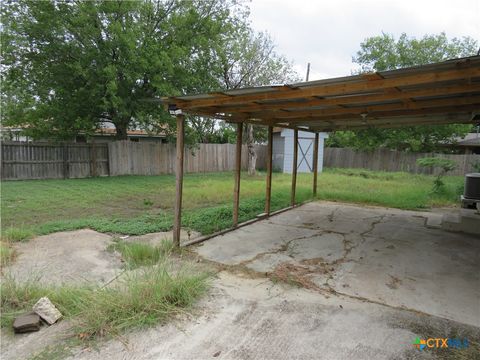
(443, 166)
(384, 52)
(69, 67)
(249, 59)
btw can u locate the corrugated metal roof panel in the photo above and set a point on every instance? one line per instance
(252, 90)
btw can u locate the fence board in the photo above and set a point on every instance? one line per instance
(391, 160)
(130, 158)
(21, 161)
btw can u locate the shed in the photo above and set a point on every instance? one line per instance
(283, 140)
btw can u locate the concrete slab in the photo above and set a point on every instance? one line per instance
(465, 220)
(255, 319)
(65, 257)
(386, 256)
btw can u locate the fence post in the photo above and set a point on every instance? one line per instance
(66, 170)
(93, 159)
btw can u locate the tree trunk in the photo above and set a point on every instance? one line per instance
(121, 129)
(252, 155)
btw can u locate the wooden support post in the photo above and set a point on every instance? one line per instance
(269, 170)
(315, 164)
(294, 166)
(238, 168)
(179, 181)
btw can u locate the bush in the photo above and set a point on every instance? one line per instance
(445, 165)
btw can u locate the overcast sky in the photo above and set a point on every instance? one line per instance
(328, 33)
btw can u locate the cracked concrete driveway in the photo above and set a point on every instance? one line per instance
(386, 256)
(372, 280)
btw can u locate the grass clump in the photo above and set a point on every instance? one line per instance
(7, 254)
(141, 298)
(14, 234)
(137, 254)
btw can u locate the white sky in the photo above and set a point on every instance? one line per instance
(328, 33)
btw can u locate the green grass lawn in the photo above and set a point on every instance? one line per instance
(143, 204)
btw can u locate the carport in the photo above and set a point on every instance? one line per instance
(441, 93)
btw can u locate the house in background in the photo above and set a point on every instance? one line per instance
(283, 150)
(470, 144)
(102, 135)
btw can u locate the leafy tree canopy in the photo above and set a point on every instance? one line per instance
(68, 67)
(384, 52)
(246, 59)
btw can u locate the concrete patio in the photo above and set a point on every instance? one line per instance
(397, 258)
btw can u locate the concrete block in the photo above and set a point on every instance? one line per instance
(47, 311)
(26, 323)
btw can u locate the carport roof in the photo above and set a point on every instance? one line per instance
(440, 93)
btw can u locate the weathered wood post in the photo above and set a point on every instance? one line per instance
(179, 180)
(294, 166)
(315, 164)
(269, 170)
(66, 161)
(238, 168)
(93, 159)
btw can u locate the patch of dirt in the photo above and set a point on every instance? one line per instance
(299, 274)
(394, 282)
(65, 257)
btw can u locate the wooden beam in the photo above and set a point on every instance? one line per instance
(401, 118)
(394, 123)
(315, 163)
(380, 114)
(294, 167)
(179, 180)
(352, 99)
(238, 168)
(269, 170)
(421, 104)
(339, 88)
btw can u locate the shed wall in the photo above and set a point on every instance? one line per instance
(305, 151)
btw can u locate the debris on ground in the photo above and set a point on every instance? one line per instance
(28, 322)
(294, 274)
(47, 311)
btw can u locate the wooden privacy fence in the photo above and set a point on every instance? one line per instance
(391, 160)
(21, 161)
(130, 158)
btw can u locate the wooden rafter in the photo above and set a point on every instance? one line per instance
(435, 91)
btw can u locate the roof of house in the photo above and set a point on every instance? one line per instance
(440, 93)
(139, 133)
(470, 140)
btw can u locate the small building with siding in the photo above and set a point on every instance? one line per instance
(283, 150)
